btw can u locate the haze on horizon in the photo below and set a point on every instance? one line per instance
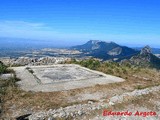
(68, 22)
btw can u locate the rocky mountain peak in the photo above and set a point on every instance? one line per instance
(105, 50)
(98, 41)
(94, 41)
(146, 50)
(145, 59)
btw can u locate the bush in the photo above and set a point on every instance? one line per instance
(91, 63)
(3, 68)
(109, 71)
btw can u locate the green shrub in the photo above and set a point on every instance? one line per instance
(3, 68)
(91, 63)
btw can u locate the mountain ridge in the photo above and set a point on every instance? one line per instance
(105, 50)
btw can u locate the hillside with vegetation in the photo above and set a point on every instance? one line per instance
(144, 59)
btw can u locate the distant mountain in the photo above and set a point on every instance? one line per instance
(105, 50)
(154, 50)
(145, 59)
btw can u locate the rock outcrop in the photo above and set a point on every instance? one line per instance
(145, 59)
(146, 50)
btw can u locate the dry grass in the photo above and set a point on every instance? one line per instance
(146, 101)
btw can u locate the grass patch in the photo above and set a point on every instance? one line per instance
(6, 87)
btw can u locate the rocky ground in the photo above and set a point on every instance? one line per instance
(130, 101)
(21, 61)
(80, 111)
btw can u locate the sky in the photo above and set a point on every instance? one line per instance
(126, 22)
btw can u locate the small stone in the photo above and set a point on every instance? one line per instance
(50, 118)
(94, 108)
(102, 100)
(72, 115)
(80, 112)
(111, 103)
(62, 114)
(55, 115)
(90, 102)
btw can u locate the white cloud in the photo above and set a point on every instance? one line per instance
(22, 29)
(20, 25)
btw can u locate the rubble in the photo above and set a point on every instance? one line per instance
(22, 61)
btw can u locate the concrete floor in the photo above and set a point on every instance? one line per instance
(60, 77)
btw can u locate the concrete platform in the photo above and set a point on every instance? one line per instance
(60, 77)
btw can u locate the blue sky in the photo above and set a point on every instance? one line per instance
(127, 22)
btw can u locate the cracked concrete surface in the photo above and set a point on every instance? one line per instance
(60, 77)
